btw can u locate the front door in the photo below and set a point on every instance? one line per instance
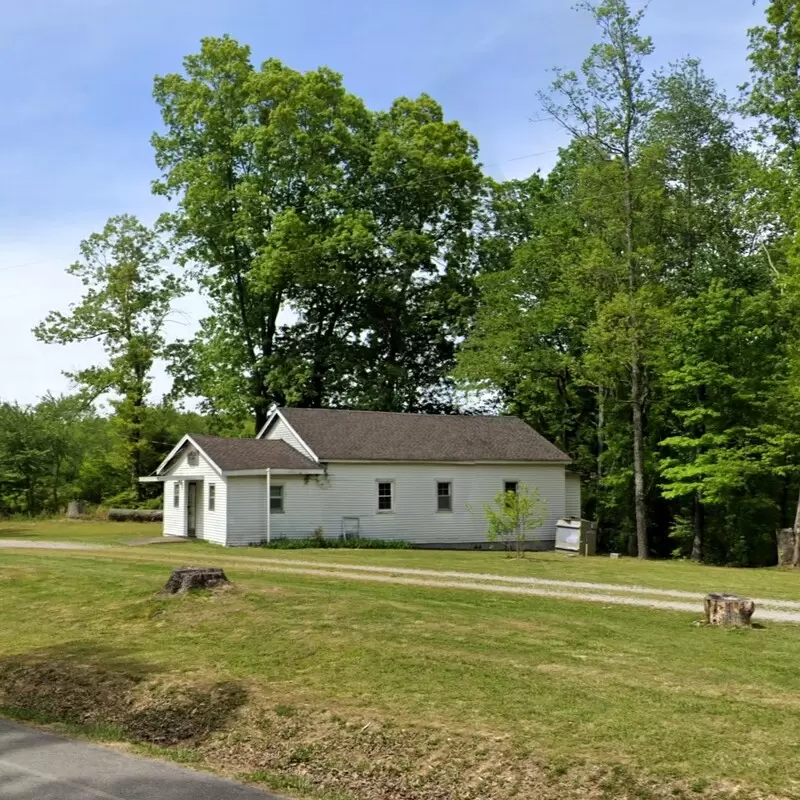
(191, 510)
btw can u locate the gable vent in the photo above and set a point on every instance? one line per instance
(193, 458)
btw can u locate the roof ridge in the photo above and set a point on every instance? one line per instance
(402, 413)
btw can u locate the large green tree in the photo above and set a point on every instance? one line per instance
(127, 299)
(332, 242)
(607, 105)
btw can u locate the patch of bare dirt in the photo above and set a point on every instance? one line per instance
(144, 708)
(376, 760)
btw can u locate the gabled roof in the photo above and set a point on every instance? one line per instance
(233, 455)
(339, 435)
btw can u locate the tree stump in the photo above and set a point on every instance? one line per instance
(75, 510)
(187, 578)
(729, 610)
(785, 547)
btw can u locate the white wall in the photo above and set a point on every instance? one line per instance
(573, 504)
(350, 490)
(210, 525)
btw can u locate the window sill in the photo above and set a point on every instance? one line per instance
(384, 512)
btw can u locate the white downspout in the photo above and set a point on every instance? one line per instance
(269, 504)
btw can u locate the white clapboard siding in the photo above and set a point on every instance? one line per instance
(280, 430)
(247, 508)
(210, 525)
(350, 490)
(573, 505)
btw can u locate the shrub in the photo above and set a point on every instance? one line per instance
(320, 542)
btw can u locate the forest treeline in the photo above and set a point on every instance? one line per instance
(639, 304)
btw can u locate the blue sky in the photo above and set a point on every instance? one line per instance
(78, 112)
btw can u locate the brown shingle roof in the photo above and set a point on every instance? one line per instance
(338, 435)
(235, 454)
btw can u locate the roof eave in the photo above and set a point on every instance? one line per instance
(483, 462)
(244, 473)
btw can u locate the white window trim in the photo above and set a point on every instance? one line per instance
(436, 491)
(378, 509)
(176, 495)
(282, 487)
(212, 496)
(515, 482)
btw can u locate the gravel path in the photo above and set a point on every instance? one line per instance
(25, 544)
(608, 593)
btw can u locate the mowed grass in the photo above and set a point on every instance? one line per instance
(687, 576)
(563, 680)
(80, 531)
(778, 583)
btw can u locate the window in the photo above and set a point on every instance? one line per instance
(385, 496)
(510, 486)
(212, 496)
(176, 494)
(276, 499)
(444, 496)
(193, 458)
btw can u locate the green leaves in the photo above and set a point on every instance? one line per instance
(515, 514)
(334, 243)
(127, 299)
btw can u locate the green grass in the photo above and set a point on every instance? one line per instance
(80, 531)
(642, 690)
(683, 575)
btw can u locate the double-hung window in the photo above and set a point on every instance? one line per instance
(385, 496)
(176, 494)
(444, 496)
(212, 496)
(276, 498)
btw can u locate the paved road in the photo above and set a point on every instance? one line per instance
(40, 766)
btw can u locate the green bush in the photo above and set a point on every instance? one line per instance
(317, 541)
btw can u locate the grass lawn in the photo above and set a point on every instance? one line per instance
(81, 531)
(317, 686)
(683, 575)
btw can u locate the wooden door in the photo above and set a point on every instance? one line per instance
(191, 510)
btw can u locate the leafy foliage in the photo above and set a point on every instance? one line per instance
(513, 515)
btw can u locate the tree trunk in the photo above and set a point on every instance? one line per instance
(643, 550)
(75, 510)
(729, 610)
(640, 510)
(697, 525)
(796, 528)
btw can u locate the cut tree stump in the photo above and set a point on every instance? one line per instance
(729, 610)
(785, 547)
(75, 510)
(187, 578)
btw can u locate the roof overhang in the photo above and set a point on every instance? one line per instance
(175, 450)
(559, 463)
(164, 478)
(244, 473)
